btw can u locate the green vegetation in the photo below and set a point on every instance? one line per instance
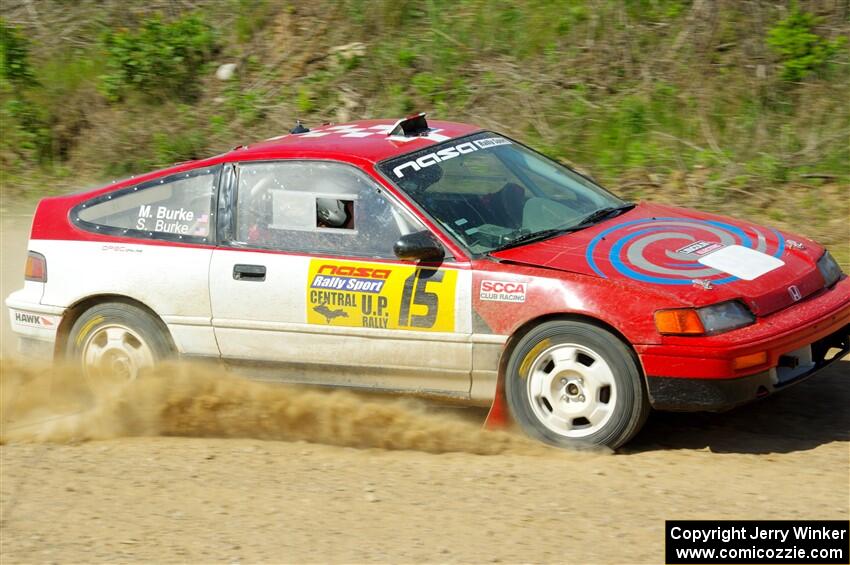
(801, 50)
(251, 16)
(15, 68)
(738, 107)
(160, 59)
(24, 123)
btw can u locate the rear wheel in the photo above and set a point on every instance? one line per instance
(115, 342)
(572, 383)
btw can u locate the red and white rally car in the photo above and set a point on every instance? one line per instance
(436, 259)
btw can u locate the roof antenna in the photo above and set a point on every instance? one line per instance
(299, 128)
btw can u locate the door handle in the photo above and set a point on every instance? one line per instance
(249, 272)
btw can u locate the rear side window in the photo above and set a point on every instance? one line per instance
(174, 207)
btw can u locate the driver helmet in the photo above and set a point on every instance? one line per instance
(331, 212)
(258, 205)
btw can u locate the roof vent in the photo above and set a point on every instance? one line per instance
(411, 126)
(299, 128)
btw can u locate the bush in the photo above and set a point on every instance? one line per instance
(25, 125)
(27, 131)
(247, 105)
(161, 60)
(801, 51)
(14, 57)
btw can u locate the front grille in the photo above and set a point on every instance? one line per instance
(779, 298)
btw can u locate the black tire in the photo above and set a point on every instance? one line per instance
(630, 406)
(145, 330)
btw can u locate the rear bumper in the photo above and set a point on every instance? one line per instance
(36, 325)
(717, 395)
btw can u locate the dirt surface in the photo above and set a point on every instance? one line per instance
(196, 466)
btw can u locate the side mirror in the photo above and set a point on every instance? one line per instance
(418, 246)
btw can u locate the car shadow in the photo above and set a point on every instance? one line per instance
(807, 415)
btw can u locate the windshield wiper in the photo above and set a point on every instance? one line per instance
(586, 222)
(601, 214)
(529, 237)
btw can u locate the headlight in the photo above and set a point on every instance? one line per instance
(829, 269)
(712, 319)
(725, 316)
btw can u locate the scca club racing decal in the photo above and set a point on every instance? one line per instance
(374, 295)
(671, 251)
(503, 291)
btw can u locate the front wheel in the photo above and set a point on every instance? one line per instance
(115, 342)
(570, 383)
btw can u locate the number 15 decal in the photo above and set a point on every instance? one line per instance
(427, 301)
(380, 296)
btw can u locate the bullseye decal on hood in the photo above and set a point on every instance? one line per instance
(658, 250)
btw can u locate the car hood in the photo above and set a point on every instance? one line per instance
(697, 258)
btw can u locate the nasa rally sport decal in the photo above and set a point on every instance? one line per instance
(684, 251)
(378, 295)
(503, 291)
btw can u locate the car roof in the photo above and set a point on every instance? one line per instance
(364, 139)
(361, 141)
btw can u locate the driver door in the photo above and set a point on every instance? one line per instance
(299, 299)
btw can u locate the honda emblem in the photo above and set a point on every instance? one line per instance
(795, 293)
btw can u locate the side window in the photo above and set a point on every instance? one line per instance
(316, 207)
(178, 205)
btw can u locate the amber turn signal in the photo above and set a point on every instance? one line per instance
(36, 268)
(751, 360)
(682, 321)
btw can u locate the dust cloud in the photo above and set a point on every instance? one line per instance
(58, 404)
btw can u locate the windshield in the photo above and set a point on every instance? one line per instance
(488, 191)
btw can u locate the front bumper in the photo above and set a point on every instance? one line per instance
(714, 357)
(716, 395)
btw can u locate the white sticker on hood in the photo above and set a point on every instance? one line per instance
(742, 262)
